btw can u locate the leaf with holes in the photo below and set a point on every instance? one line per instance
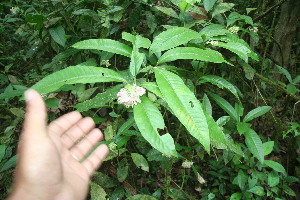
(184, 105)
(148, 119)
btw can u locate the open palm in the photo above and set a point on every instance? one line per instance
(54, 160)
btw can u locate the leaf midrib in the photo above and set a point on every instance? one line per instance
(183, 106)
(80, 77)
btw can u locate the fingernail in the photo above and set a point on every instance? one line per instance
(29, 95)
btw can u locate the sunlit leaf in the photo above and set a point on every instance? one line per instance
(275, 165)
(172, 38)
(148, 119)
(237, 48)
(193, 53)
(268, 147)
(256, 113)
(184, 105)
(105, 45)
(76, 74)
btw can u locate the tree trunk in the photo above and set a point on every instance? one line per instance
(285, 32)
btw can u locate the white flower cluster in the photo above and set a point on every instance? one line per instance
(234, 29)
(130, 95)
(254, 29)
(167, 155)
(212, 42)
(14, 10)
(187, 164)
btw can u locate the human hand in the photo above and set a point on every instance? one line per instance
(51, 162)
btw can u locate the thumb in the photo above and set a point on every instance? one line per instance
(36, 115)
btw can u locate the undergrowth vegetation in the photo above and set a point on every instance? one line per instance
(186, 92)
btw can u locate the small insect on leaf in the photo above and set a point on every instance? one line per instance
(192, 104)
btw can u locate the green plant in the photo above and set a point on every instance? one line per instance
(184, 49)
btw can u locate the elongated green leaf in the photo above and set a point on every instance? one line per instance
(105, 45)
(256, 113)
(238, 48)
(226, 106)
(137, 40)
(208, 4)
(258, 190)
(2, 151)
(222, 8)
(142, 197)
(275, 165)
(221, 83)
(234, 39)
(216, 134)
(148, 119)
(268, 147)
(140, 161)
(9, 164)
(97, 192)
(58, 35)
(241, 179)
(126, 125)
(206, 105)
(76, 74)
(167, 11)
(213, 30)
(235, 147)
(172, 38)
(255, 145)
(236, 196)
(285, 72)
(122, 170)
(136, 62)
(234, 16)
(184, 105)
(100, 99)
(152, 87)
(273, 179)
(192, 53)
(142, 42)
